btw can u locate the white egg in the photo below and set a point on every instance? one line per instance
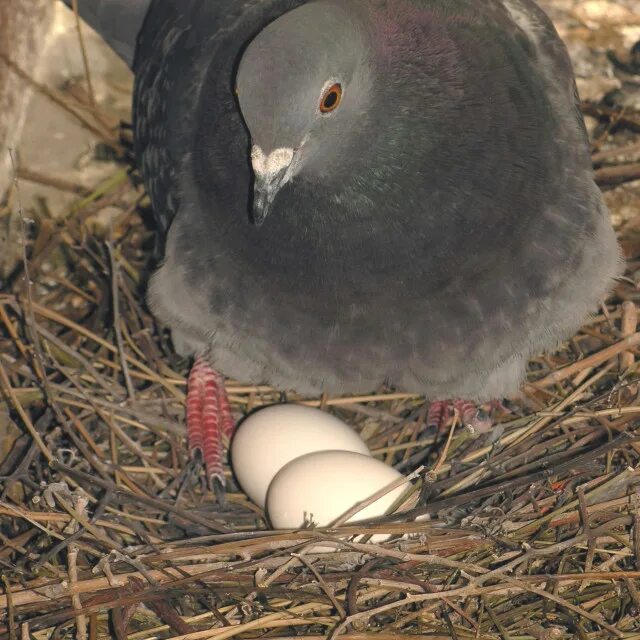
(270, 438)
(320, 487)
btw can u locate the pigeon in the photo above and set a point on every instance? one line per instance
(361, 192)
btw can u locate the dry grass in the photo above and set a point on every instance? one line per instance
(533, 528)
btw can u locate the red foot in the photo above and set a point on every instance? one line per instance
(438, 415)
(441, 411)
(209, 418)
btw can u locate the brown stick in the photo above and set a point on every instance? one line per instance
(52, 181)
(618, 173)
(628, 325)
(601, 156)
(590, 361)
(618, 115)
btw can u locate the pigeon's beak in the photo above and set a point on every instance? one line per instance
(271, 172)
(265, 189)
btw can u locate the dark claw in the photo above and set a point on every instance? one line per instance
(217, 485)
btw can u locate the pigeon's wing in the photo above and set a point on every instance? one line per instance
(189, 49)
(533, 21)
(156, 93)
(117, 21)
(539, 29)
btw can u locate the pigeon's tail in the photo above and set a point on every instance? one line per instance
(117, 21)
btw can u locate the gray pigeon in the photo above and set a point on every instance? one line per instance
(362, 191)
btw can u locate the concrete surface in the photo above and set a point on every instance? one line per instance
(53, 142)
(23, 30)
(50, 141)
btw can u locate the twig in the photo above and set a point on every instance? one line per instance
(5, 384)
(116, 319)
(325, 587)
(590, 361)
(636, 538)
(74, 326)
(81, 620)
(616, 114)
(85, 60)
(30, 175)
(572, 607)
(616, 152)
(11, 619)
(127, 496)
(617, 174)
(574, 463)
(494, 619)
(591, 540)
(628, 325)
(363, 504)
(433, 473)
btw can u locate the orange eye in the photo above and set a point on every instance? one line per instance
(331, 98)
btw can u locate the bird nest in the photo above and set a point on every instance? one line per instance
(532, 528)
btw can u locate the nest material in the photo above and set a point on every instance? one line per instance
(533, 527)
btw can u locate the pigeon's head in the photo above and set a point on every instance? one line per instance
(303, 85)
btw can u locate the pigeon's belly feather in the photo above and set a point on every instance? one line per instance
(470, 340)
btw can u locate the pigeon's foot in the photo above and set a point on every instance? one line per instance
(209, 421)
(441, 412)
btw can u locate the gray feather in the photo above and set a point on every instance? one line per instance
(117, 21)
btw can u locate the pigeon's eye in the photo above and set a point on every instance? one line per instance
(331, 98)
